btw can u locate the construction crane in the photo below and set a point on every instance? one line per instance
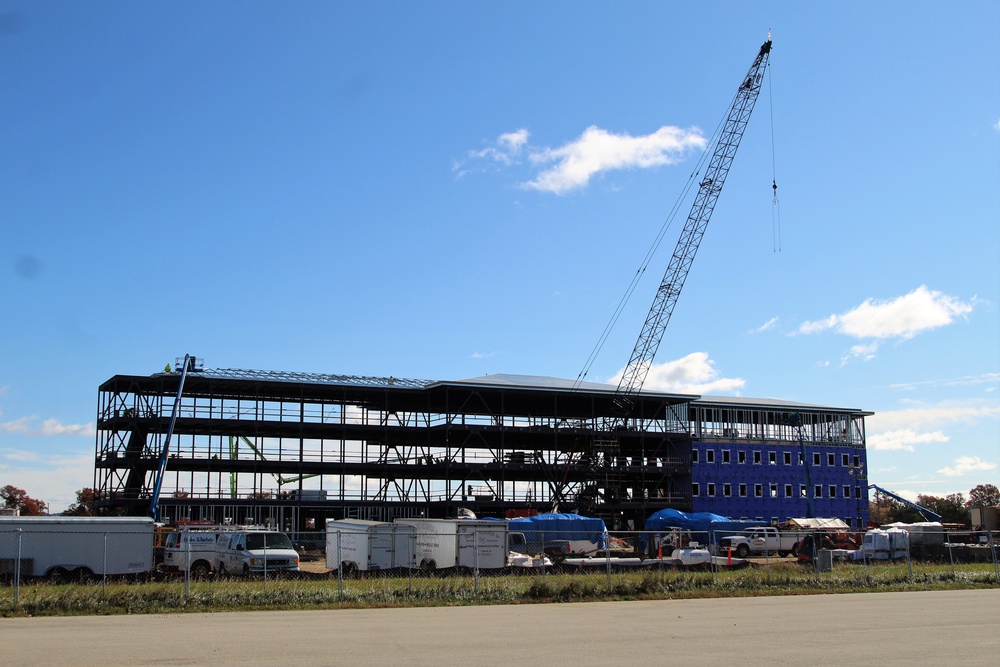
(605, 444)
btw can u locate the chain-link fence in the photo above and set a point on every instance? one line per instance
(369, 562)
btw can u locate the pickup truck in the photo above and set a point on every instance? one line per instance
(761, 541)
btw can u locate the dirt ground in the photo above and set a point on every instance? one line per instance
(313, 563)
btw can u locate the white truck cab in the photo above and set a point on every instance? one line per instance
(255, 552)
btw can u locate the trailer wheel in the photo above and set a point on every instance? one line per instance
(349, 570)
(58, 575)
(428, 566)
(795, 550)
(742, 551)
(782, 554)
(83, 574)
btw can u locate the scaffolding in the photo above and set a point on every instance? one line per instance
(293, 449)
(284, 448)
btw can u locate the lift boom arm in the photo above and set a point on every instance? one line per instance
(930, 515)
(638, 366)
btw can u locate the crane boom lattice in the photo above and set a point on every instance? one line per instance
(603, 455)
(677, 271)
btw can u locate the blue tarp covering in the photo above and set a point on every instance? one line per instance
(555, 527)
(705, 525)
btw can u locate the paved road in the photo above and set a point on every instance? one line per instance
(884, 629)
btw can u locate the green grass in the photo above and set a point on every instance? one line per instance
(775, 578)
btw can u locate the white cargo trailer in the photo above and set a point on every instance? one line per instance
(358, 545)
(65, 548)
(463, 543)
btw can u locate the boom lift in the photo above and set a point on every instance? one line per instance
(191, 364)
(604, 451)
(924, 512)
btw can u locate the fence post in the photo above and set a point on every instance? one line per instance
(17, 571)
(187, 566)
(607, 557)
(475, 558)
(951, 555)
(541, 532)
(993, 555)
(713, 567)
(340, 569)
(104, 568)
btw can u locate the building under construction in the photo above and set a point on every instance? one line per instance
(293, 449)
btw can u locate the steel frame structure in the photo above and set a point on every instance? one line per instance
(292, 449)
(286, 447)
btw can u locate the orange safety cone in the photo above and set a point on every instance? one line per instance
(729, 555)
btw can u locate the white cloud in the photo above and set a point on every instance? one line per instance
(507, 148)
(767, 326)
(966, 464)
(901, 318)
(19, 455)
(693, 374)
(53, 479)
(17, 426)
(905, 429)
(598, 150)
(865, 352)
(964, 381)
(483, 355)
(930, 416)
(49, 427)
(902, 440)
(996, 126)
(572, 165)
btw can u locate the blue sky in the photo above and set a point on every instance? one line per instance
(448, 189)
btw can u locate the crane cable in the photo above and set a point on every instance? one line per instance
(775, 208)
(692, 179)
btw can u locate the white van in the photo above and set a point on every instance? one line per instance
(255, 552)
(192, 550)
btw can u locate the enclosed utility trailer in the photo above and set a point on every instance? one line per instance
(463, 543)
(63, 547)
(358, 545)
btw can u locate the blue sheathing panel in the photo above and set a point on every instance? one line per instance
(765, 480)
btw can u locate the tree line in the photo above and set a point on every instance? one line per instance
(954, 508)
